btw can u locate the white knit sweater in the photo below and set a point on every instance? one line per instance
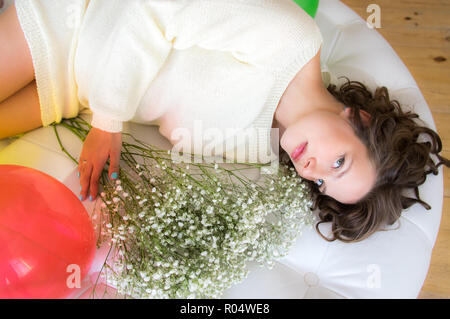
(175, 63)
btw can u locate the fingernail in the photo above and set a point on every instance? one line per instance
(80, 197)
(90, 198)
(78, 174)
(114, 175)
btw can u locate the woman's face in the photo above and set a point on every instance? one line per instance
(334, 157)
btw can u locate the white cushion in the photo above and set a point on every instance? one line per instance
(391, 264)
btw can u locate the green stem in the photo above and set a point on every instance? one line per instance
(62, 147)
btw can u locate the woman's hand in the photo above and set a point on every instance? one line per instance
(98, 146)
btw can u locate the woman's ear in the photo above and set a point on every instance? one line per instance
(365, 117)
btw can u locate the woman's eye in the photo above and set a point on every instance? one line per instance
(340, 162)
(319, 182)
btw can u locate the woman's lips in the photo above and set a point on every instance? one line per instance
(299, 150)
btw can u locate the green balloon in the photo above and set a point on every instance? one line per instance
(310, 6)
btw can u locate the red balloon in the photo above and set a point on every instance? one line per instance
(47, 241)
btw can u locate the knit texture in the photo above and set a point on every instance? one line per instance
(51, 30)
(170, 63)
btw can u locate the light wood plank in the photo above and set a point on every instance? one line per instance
(438, 279)
(418, 41)
(431, 80)
(426, 57)
(446, 154)
(442, 121)
(405, 5)
(414, 18)
(432, 38)
(431, 295)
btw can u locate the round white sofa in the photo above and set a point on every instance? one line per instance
(390, 264)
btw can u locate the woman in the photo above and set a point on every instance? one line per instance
(265, 53)
(401, 162)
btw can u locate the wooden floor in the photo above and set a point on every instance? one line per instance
(419, 31)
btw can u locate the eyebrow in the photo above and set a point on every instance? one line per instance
(340, 174)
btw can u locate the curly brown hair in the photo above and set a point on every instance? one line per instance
(401, 162)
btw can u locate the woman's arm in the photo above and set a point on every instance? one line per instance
(120, 50)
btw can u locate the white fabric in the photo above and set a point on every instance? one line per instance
(50, 29)
(391, 264)
(223, 65)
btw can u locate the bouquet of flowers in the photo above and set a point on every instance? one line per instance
(188, 230)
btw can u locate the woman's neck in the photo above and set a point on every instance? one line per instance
(300, 99)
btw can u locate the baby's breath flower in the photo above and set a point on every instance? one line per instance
(181, 234)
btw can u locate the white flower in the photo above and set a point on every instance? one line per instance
(156, 276)
(227, 225)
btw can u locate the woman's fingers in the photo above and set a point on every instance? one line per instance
(114, 165)
(85, 170)
(97, 147)
(89, 177)
(93, 187)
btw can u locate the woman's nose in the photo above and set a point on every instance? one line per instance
(309, 168)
